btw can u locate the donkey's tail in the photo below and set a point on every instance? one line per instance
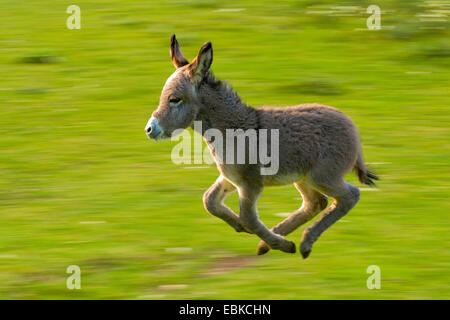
(364, 174)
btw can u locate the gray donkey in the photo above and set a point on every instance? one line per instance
(318, 145)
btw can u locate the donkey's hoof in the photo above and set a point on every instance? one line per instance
(305, 249)
(289, 247)
(305, 254)
(263, 248)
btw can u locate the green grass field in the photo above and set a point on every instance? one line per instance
(80, 183)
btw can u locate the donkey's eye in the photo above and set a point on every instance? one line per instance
(175, 100)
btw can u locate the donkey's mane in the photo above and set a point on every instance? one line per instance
(225, 89)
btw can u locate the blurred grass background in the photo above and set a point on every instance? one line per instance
(80, 184)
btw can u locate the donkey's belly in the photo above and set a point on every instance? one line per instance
(282, 179)
(243, 174)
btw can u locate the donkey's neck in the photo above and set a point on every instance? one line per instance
(222, 108)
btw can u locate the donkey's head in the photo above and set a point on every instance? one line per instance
(179, 103)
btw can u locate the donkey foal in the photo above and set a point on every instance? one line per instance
(318, 145)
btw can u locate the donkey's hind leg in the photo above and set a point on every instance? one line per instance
(213, 201)
(346, 196)
(313, 203)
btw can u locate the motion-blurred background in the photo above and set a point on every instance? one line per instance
(80, 183)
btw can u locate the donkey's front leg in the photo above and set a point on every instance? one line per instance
(213, 202)
(313, 203)
(248, 196)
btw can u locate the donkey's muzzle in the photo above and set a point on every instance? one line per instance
(152, 129)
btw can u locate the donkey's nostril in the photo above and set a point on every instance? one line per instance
(152, 129)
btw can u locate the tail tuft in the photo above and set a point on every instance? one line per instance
(366, 176)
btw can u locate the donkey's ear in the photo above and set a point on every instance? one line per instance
(201, 64)
(178, 59)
